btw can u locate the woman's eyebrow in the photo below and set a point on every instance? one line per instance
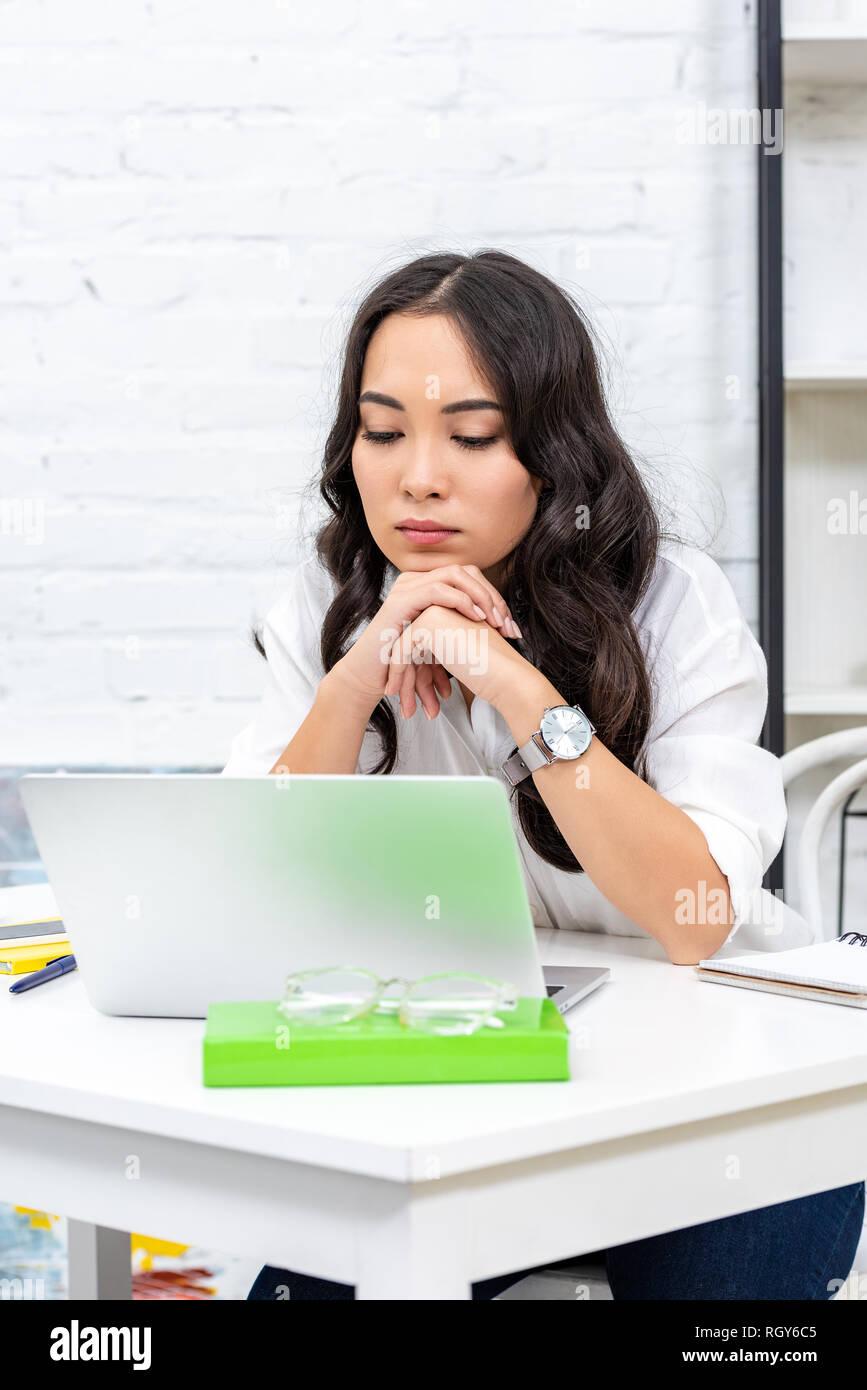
(378, 398)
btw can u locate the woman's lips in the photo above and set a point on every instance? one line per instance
(425, 537)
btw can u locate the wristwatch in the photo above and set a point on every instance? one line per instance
(564, 733)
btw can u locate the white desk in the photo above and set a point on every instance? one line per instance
(688, 1101)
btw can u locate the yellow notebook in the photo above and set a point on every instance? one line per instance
(20, 960)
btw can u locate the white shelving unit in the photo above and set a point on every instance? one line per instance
(826, 376)
(827, 702)
(826, 544)
(827, 53)
(825, 46)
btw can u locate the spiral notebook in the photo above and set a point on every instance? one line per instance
(834, 972)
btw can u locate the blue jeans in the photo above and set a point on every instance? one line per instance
(793, 1250)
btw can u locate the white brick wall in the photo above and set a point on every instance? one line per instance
(193, 193)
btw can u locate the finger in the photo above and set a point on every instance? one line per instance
(441, 680)
(455, 587)
(467, 596)
(497, 601)
(407, 691)
(401, 673)
(397, 659)
(451, 596)
(424, 689)
(484, 595)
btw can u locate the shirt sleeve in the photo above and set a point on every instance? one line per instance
(711, 692)
(292, 675)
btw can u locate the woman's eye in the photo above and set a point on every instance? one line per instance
(463, 441)
(478, 443)
(378, 438)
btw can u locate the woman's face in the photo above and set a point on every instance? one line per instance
(420, 392)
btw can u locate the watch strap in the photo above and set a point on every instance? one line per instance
(529, 758)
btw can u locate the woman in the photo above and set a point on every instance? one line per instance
(493, 553)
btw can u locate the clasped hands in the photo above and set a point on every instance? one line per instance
(441, 642)
(433, 624)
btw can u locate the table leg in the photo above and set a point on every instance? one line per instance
(396, 1283)
(99, 1262)
(416, 1251)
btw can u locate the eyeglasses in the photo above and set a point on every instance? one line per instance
(445, 1003)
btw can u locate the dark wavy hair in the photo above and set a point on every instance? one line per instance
(572, 588)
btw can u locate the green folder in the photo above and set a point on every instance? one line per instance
(252, 1044)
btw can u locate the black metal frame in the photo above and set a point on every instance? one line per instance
(770, 279)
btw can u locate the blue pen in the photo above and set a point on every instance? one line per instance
(48, 972)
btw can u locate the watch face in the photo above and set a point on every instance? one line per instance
(566, 731)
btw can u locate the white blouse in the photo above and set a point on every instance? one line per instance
(709, 681)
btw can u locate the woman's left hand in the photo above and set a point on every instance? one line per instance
(473, 652)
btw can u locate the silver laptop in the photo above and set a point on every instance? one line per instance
(179, 890)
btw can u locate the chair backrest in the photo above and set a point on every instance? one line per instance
(848, 743)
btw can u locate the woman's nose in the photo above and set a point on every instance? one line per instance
(426, 474)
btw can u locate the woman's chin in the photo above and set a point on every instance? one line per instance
(421, 556)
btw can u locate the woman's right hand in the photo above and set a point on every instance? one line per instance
(362, 673)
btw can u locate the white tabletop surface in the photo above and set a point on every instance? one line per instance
(655, 1046)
